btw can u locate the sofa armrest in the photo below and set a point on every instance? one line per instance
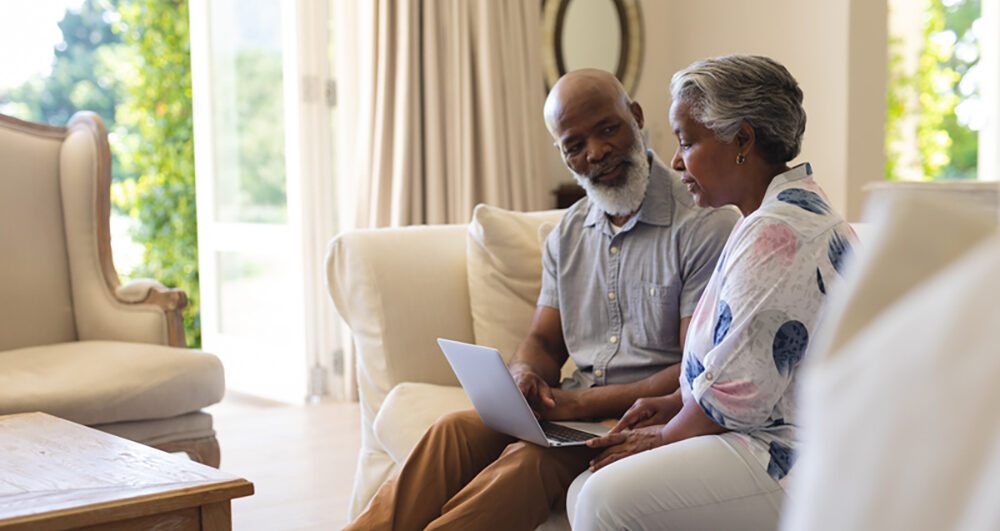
(399, 289)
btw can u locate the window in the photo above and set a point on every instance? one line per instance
(939, 96)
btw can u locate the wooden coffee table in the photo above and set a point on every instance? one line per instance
(55, 474)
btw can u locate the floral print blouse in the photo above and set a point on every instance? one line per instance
(758, 312)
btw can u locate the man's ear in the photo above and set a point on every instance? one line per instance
(636, 111)
(746, 138)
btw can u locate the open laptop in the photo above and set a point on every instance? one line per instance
(500, 404)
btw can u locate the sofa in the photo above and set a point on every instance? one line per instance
(399, 290)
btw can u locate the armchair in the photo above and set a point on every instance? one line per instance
(74, 342)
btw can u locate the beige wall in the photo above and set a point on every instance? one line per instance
(835, 48)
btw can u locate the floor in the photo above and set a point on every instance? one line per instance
(300, 459)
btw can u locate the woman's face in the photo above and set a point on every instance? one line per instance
(706, 164)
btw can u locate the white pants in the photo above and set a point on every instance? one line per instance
(711, 482)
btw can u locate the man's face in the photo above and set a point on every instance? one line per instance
(600, 143)
(594, 134)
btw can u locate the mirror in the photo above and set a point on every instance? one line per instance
(605, 34)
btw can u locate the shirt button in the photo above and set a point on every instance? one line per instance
(611, 295)
(598, 373)
(709, 376)
(652, 291)
(614, 339)
(614, 250)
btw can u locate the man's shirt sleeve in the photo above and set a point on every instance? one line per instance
(700, 249)
(549, 294)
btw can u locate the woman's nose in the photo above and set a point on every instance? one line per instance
(677, 163)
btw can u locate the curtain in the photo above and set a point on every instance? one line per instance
(449, 110)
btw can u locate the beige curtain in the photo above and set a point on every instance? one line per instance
(450, 110)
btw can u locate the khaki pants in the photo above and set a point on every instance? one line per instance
(463, 475)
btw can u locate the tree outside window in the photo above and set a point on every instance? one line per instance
(934, 107)
(129, 61)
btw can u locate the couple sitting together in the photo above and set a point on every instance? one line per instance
(687, 319)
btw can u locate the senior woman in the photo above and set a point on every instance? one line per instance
(717, 453)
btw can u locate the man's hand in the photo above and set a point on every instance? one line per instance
(650, 412)
(623, 444)
(535, 390)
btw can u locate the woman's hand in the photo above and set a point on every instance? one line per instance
(623, 444)
(649, 412)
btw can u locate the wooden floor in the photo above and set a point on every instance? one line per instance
(300, 459)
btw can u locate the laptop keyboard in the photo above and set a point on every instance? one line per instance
(558, 432)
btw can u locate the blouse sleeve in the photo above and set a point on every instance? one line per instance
(760, 333)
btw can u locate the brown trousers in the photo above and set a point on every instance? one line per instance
(463, 475)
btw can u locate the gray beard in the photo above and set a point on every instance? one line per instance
(625, 195)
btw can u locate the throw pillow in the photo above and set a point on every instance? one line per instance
(504, 261)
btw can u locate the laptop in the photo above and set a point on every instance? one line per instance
(500, 403)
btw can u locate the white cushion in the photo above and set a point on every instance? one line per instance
(504, 265)
(102, 382)
(900, 429)
(409, 410)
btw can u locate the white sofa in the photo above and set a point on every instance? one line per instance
(399, 290)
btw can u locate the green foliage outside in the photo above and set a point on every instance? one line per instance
(129, 61)
(159, 147)
(947, 149)
(84, 75)
(250, 169)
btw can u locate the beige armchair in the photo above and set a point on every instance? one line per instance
(73, 341)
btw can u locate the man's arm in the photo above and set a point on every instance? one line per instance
(537, 362)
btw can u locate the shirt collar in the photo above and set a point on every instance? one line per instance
(657, 206)
(780, 180)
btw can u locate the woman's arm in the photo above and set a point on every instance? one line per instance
(690, 421)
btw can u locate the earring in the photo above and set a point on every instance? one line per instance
(740, 158)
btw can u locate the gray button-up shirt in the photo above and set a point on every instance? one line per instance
(621, 296)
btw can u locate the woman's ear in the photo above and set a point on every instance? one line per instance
(746, 138)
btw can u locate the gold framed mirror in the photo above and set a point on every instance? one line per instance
(605, 34)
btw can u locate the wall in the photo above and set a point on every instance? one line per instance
(835, 48)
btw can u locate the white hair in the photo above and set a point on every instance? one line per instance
(724, 92)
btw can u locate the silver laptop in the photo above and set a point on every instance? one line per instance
(500, 404)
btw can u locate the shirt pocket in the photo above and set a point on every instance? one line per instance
(653, 315)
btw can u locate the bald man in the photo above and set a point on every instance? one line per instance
(622, 274)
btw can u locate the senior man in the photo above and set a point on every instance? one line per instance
(622, 274)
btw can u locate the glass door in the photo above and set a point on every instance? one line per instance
(265, 192)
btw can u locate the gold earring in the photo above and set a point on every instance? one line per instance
(740, 158)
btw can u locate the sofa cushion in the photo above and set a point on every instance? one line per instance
(409, 410)
(504, 261)
(900, 429)
(101, 382)
(154, 432)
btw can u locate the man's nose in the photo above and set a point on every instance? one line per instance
(596, 151)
